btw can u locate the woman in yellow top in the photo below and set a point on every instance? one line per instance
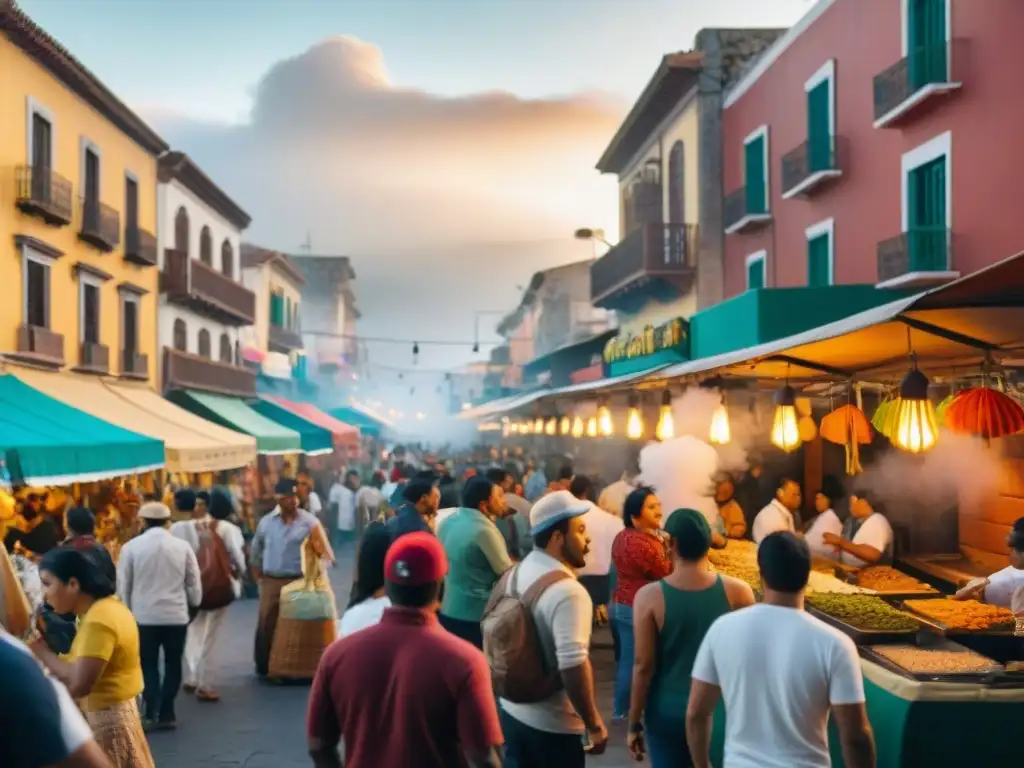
(102, 671)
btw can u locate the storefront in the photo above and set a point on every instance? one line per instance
(271, 438)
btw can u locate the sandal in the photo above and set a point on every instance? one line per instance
(206, 694)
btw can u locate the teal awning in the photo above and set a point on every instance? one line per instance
(45, 442)
(232, 412)
(314, 438)
(367, 424)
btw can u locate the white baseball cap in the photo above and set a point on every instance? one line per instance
(154, 510)
(555, 507)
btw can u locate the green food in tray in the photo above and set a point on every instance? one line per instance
(862, 611)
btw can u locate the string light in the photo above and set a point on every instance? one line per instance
(577, 427)
(538, 426)
(565, 426)
(785, 431)
(592, 426)
(604, 420)
(720, 431)
(551, 426)
(666, 428)
(634, 422)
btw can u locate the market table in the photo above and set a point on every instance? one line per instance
(937, 724)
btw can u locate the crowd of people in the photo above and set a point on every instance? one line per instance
(467, 636)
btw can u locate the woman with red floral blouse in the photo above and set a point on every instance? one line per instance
(640, 556)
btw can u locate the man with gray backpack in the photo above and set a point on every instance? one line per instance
(536, 631)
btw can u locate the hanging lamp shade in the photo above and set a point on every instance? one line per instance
(884, 420)
(577, 426)
(666, 428)
(592, 426)
(720, 432)
(785, 428)
(604, 420)
(917, 429)
(986, 413)
(845, 423)
(634, 421)
(940, 409)
(564, 426)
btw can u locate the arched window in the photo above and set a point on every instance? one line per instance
(181, 230)
(676, 185)
(225, 349)
(227, 259)
(206, 247)
(204, 343)
(180, 335)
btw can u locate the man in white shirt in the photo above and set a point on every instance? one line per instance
(779, 514)
(613, 498)
(342, 497)
(551, 732)
(158, 579)
(827, 521)
(205, 629)
(309, 499)
(602, 528)
(780, 672)
(867, 537)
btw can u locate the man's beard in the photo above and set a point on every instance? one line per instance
(574, 559)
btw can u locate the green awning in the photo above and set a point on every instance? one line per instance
(232, 412)
(315, 439)
(45, 442)
(367, 424)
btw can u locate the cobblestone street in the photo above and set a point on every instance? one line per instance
(263, 726)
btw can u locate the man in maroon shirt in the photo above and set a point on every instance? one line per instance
(405, 693)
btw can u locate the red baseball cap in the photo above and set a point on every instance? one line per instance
(415, 559)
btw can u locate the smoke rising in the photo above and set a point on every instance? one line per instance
(681, 471)
(693, 411)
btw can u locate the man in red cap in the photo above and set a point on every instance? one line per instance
(405, 692)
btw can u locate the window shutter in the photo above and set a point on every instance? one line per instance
(755, 274)
(819, 134)
(818, 261)
(755, 176)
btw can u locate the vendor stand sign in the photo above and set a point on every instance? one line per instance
(666, 344)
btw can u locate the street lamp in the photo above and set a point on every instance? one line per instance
(594, 235)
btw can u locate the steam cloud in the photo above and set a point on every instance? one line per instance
(681, 471)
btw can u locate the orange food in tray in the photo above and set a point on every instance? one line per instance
(964, 614)
(883, 578)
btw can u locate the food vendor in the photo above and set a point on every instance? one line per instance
(1000, 587)
(731, 524)
(826, 521)
(867, 537)
(779, 514)
(32, 527)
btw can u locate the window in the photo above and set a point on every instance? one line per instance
(206, 247)
(204, 343)
(37, 292)
(225, 348)
(755, 166)
(295, 316)
(277, 309)
(227, 259)
(821, 253)
(821, 118)
(238, 353)
(180, 335)
(927, 204)
(756, 277)
(89, 309)
(90, 187)
(131, 204)
(677, 184)
(41, 154)
(181, 231)
(288, 312)
(129, 329)
(926, 35)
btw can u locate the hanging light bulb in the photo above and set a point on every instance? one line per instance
(551, 427)
(564, 426)
(538, 426)
(604, 420)
(666, 428)
(634, 422)
(525, 427)
(592, 426)
(785, 432)
(917, 429)
(577, 427)
(720, 432)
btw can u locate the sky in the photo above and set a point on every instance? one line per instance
(446, 146)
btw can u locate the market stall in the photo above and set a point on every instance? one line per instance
(314, 439)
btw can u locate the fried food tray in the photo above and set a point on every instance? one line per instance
(850, 577)
(941, 629)
(862, 636)
(997, 676)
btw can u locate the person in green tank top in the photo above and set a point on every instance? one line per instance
(670, 619)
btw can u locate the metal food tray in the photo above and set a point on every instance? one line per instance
(850, 577)
(996, 676)
(941, 629)
(862, 636)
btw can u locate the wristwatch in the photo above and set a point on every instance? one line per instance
(636, 727)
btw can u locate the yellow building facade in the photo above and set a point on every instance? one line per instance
(78, 212)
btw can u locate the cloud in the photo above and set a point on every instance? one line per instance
(438, 200)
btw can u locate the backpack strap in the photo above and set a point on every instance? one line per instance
(540, 586)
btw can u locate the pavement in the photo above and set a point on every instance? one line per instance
(256, 725)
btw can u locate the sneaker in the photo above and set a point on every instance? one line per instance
(169, 724)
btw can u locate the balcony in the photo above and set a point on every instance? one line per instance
(41, 192)
(139, 246)
(919, 258)
(93, 358)
(101, 225)
(185, 371)
(40, 345)
(190, 283)
(654, 260)
(134, 365)
(811, 166)
(281, 339)
(924, 75)
(740, 214)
